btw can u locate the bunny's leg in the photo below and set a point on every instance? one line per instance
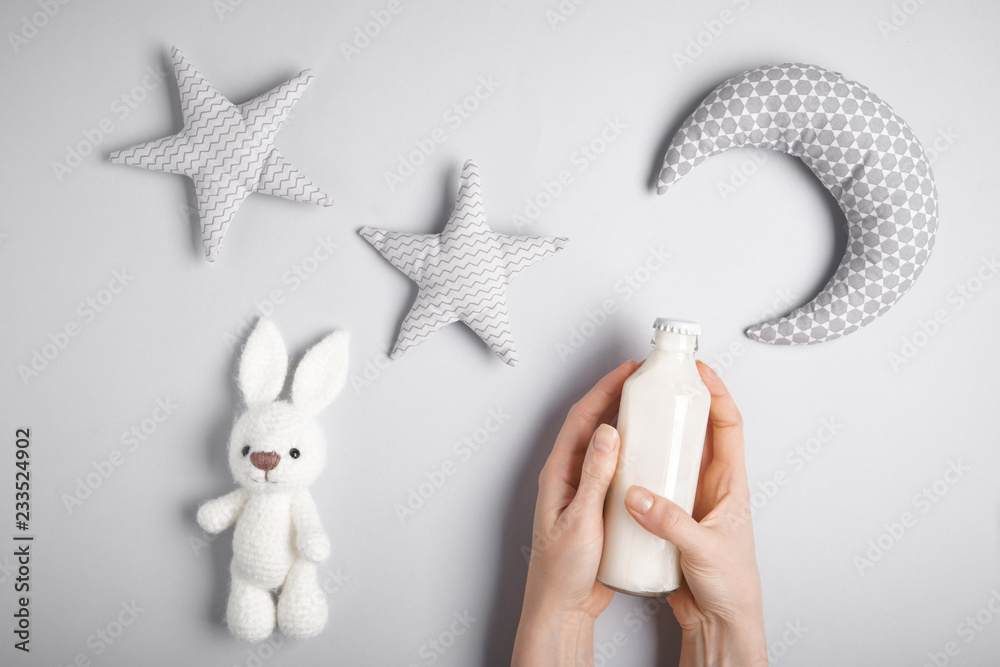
(250, 612)
(302, 605)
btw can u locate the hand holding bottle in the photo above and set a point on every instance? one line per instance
(719, 605)
(562, 597)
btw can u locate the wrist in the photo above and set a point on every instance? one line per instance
(549, 636)
(725, 643)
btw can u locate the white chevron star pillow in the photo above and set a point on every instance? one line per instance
(462, 272)
(227, 150)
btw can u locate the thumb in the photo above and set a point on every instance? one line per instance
(598, 468)
(665, 519)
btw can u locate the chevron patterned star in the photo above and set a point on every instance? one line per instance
(227, 150)
(461, 273)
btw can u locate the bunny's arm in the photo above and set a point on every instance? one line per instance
(217, 515)
(310, 539)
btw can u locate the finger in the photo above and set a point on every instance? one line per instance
(705, 498)
(597, 471)
(575, 465)
(585, 414)
(725, 421)
(665, 519)
(583, 418)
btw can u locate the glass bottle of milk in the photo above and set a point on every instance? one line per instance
(662, 423)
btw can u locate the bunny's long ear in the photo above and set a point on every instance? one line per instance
(263, 364)
(321, 373)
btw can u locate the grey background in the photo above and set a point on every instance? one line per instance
(768, 245)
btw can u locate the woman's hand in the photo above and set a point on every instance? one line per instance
(719, 604)
(562, 597)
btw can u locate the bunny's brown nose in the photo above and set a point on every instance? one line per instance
(265, 461)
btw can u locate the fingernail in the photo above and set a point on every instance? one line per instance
(604, 438)
(709, 371)
(639, 499)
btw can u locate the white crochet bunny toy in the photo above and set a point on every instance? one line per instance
(275, 451)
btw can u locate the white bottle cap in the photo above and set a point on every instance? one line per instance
(686, 327)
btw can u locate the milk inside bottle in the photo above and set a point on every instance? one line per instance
(662, 423)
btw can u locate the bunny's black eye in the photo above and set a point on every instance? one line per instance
(246, 450)
(294, 453)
